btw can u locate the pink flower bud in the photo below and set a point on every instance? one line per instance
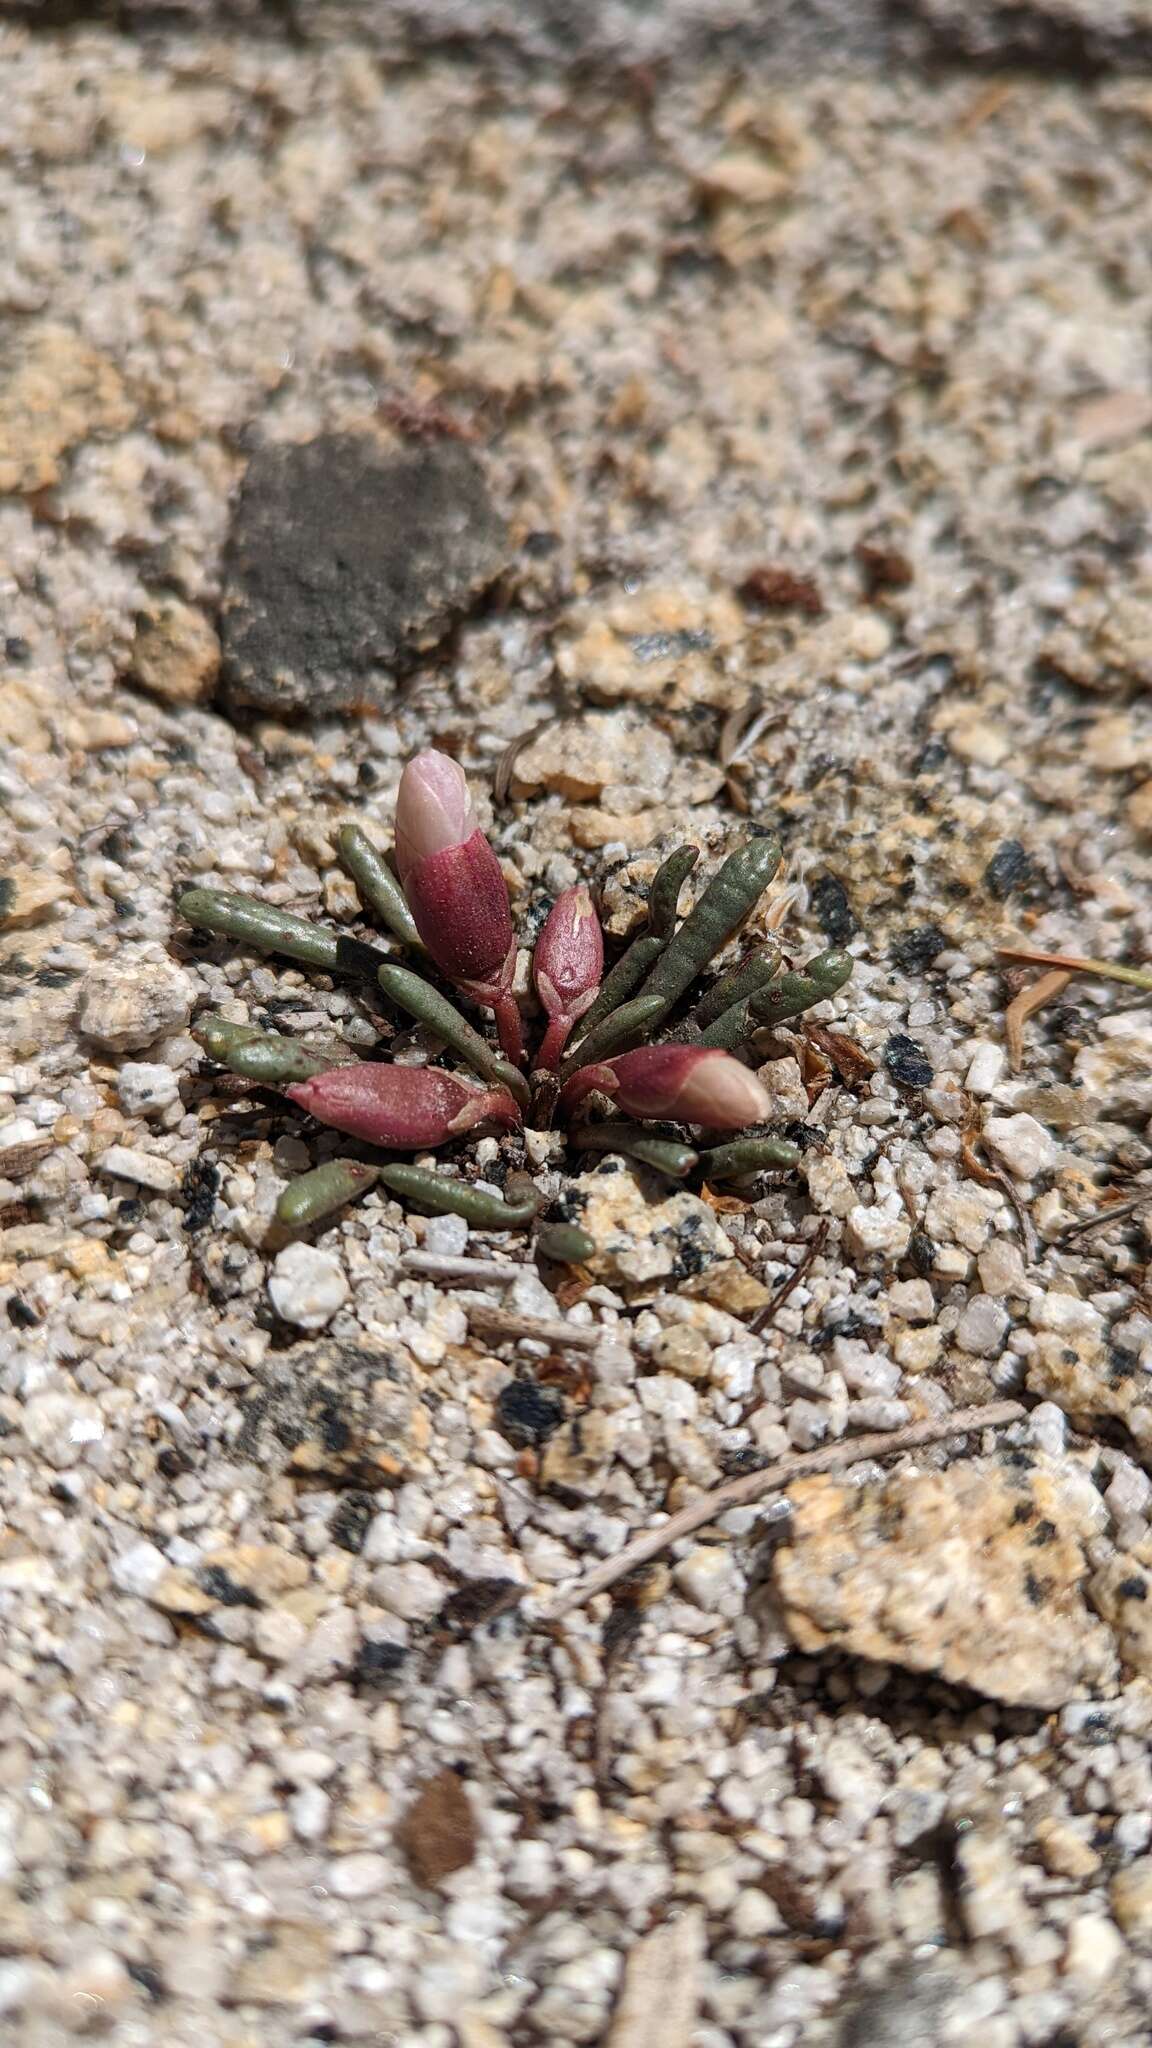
(451, 876)
(406, 1108)
(567, 965)
(694, 1084)
(433, 809)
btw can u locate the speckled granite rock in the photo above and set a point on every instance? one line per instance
(337, 1411)
(643, 1234)
(977, 1573)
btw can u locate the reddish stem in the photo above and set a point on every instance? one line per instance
(582, 1082)
(552, 1045)
(506, 1011)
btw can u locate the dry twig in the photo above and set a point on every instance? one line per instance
(499, 1323)
(1106, 1216)
(753, 1486)
(470, 1272)
(771, 1309)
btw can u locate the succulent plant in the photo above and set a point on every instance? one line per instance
(632, 1040)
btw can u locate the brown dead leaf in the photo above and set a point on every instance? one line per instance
(852, 1064)
(781, 590)
(437, 1834)
(724, 1205)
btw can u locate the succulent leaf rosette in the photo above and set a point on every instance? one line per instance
(640, 1043)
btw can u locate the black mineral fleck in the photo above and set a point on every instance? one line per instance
(198, 1191)
(1008, 869)
(907, 1062)
(351, 1521)
(914, 951)
(346, 560)
(217, 1583)
(377, 1666)
(832, 910)
(527, 1413)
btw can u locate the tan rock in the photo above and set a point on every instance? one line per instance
(1115, 1077)
(27, 895)
(991, 1898)
(56, 392)
(829, 1184)
(176, 653)
(288, 1964)
(1132, 1898)
(656, 647)
(579, 757)
(660, 1995)
(683, 1350)
(785, 1085)
(1140, 809)
(93, 730)
(577, 1457)
(127, 1003)
(26, 715)
(976, 1572)
(1064, 1852)
(729, 1286)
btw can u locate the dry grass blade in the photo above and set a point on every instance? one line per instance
(506, 765)
(743, 727)
(1074, 963)
(1025, 1005)
(754, 1486)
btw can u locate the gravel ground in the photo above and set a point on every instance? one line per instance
(820, 420)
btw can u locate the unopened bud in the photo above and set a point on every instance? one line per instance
(567, 966)
(692, 1084)
(403, 1108)
(452, 879)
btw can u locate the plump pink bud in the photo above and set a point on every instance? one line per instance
(568, 962)
(406, 1108)
(433, 809)
(451, 876)
(694, 1084)
(567, 966)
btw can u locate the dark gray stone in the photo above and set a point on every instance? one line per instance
(903, 2013)
(1059, 38)
(346, 562)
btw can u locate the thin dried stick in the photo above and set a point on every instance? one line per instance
(753, 1486)
(471, 1272)
(768, 1313)
(502, 1323)
(1025, 1005)
(1074, 963)
(993, 1177)
(1113, 1215)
